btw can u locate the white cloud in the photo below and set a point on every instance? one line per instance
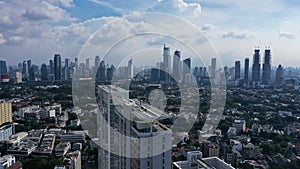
(237, 35)
(2, 40)
(286, 35)
(30, 19)
(188, 10)
(207, 27)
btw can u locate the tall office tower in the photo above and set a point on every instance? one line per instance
(101, 74)
(246, 70)
(76, 63)
(96, 65)
(28, 65)
(167, 57)
(44, 72)
(237, 70)
(266, 74)
(186, 70)
(67, 70)
(130, 69)
(110, 73)
(57, 67)
(97, 61)
(5, 113)
(176, 65)
(25, 68)
(51, 67)
(87, 64)
(141, 142)
(166, 65)
(32, 72)
(213, 68)
(279, 75)
(256, 66)
(205, 73)
(51, 70)
(20, 67)
(186, 66)
(3, 68)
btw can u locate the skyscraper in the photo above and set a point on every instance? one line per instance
(28, 65)
(186, 66)
(101, 74)
(97, 61)
(25, 68)
(57, 67)
(130, 69)
(246, 70)
(266, 74)
(44, 72)
(166, 57)
(51, 70)
(279, 75)
(256, 66)
(237, 70)
(3, 68)
(141, 152)
(213, 68)
(176, 65)
(5, 113)
(67, 70)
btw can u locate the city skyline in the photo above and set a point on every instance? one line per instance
(65, 29)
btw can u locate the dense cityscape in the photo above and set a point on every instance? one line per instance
(42, 128)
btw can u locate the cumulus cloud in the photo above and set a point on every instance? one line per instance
(207, 27)
(177, 7)
(237, 35)
(2, 40)
(31, 15)
(23, 21)
(286, 35)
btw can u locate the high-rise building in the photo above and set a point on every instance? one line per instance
(101, 74)
(44, 72)
(213, 68)
(166, 57)
(130, 69)
(186, 70)
(256, 66)
(25, 68)
(186, 66)
(110, 73)
(176, 65)
(28, 65)
(246, 70)
(279, 75)
(97, 61)
(51, 70)
(32, 72)
(5, 113)
(141, 152)
(266, 74)
(57, 67)
(237, 70)
(67, 70)
(3, 68)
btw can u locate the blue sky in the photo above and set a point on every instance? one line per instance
(36, 29)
